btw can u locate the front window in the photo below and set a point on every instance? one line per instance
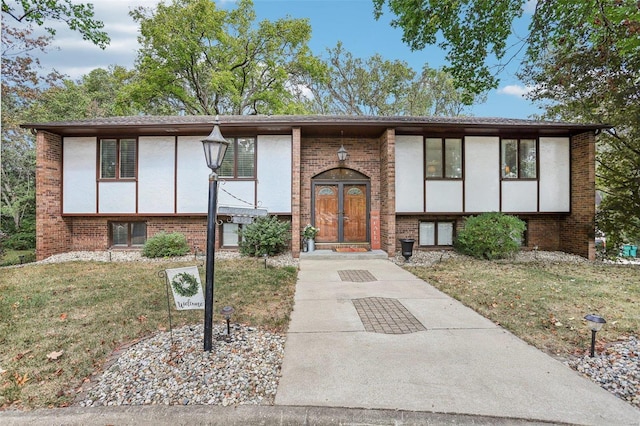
(118, 158)
(240, 159)
(443, 158)
(436, 233)
(128, 234)
(519, 158)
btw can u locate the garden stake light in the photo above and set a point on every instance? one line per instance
(595, 323)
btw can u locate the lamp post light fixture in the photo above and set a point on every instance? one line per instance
(595, 323)
(227, 311)
(215, 146)
(342, 153)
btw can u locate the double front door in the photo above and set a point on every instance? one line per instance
(340, 211)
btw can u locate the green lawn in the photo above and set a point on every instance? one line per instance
(87, 309)
(545, 303)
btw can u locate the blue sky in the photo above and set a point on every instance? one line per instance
(349, 21)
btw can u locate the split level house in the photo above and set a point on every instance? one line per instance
(111, 183)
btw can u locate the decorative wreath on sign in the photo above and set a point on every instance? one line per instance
(185, 284)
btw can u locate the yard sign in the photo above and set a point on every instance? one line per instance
(186, 287)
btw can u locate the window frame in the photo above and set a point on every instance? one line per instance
(222, 242)
(118, 163)
(233, 142)
(443, 158)
(129, 226)
(437, 222)
(519, 141)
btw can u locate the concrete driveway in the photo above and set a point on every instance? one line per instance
(368, 334)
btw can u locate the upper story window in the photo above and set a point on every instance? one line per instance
(118, 158)
(518, 158)
(443, 158)
(240, 160)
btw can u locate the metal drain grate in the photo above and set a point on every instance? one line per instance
(357, 276)
(388, 316)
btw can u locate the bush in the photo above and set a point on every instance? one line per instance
(267, 235)
(166, 245)
(490, 236)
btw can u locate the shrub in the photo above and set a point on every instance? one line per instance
(267, 235)
(490, 236)
(166, 245)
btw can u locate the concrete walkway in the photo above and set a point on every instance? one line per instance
(459, 362)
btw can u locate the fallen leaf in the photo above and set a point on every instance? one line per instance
(21, 355)
(63, 316)
(21, 380)
(142, 318)
(53, 356)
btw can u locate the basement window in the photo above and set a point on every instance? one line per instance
(127, 234)
(436, 233)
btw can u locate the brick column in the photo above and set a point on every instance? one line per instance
(388, 192)
(53, 232)
(296, 192)
(578, 229)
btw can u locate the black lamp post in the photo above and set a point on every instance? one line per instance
(595, 323)
(215, 146)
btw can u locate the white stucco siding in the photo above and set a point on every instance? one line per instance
(444, 196)
(519, 196)
(79, 175)
(156, 174)
(555, 172)
(236, 193)
(274, 172)
(117, 197)
(482, 174)
(192, 176)
(409, 174)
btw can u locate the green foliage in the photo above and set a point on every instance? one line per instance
(77, 16)
(490, 236)
(205, 60)
(375, 86)
(471, 31)
(267, 235)
(165, 244)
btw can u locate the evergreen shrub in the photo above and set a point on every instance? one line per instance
(490, 236)
(266, 235)
(166, 245)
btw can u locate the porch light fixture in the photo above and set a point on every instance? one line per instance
(595, 323)
(215, 147)
(342, 153)
(227, 311)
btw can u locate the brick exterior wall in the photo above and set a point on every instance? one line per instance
(318, 155)
(388, 192)
(53, 232)
(296, 226)
(577, 231)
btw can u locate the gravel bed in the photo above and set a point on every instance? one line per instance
(617, 369)
(243, 369)
(285, 259)
(426, 258)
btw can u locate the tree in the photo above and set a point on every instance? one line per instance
(101, 93)
(22, 85)
(202, 60)
(78, 17)
(472, 31)
(591, 73)
(375, 86)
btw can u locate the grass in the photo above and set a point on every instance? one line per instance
(82, 311)
(545, 303)
(16, 257)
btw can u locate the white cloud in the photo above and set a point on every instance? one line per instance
(515, 90)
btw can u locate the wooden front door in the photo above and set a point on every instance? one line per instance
(340, 211)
